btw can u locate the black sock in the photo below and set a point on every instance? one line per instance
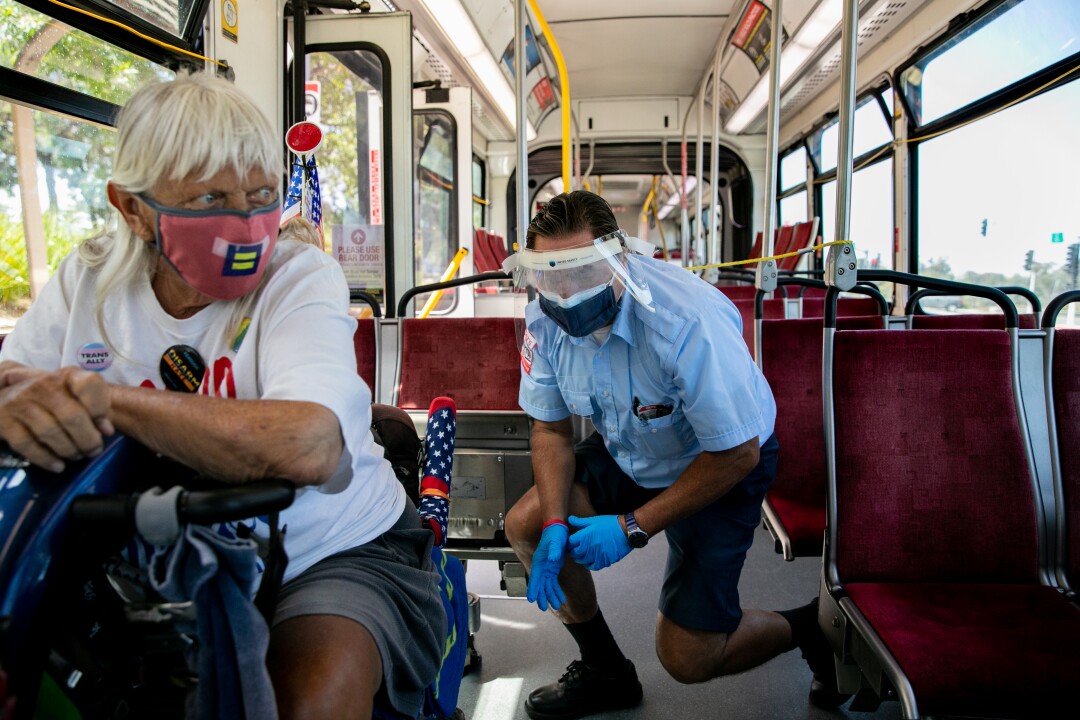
(598, 647)
(803, 622)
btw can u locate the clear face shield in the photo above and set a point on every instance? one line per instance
(579, 287)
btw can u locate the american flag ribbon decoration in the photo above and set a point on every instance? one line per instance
(294, 196)
(439, 451)
(303, 198)
(313, 204)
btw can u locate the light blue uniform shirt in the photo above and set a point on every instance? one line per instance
(689, 355)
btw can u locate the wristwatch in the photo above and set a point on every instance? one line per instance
(638, 538)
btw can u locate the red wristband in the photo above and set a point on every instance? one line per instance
(554, 521)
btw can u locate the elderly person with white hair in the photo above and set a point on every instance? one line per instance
(194, 292)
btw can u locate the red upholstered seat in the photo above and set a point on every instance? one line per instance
(802, 236)
(936, 535)
(791, 361)
(755, 249)
(772, 309)
(497, 248)
(738, 292)
(814, 307)
(364, 345)
(969, 649)
(475, 361)
(483, 260)
(1066, 379)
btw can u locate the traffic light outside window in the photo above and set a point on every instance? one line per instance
(984, 227)
(1029, 258)
(1072, 261)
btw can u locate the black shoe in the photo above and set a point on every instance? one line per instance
(818, 654)
(583, 690)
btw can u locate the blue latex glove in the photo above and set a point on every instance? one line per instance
(599, 541)
(547, 561)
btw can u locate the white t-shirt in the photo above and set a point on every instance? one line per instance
(297, 346)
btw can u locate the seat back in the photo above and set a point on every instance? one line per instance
(932, 479)
(738, 292)
(497, 247)
(814, 307)
(476, 362)
(433, 363)
(791, 362)
(974, 321)
(772, 309)
(364, 346)
(483, 260)
(755, 249)
(1066, 393)
(802, 235)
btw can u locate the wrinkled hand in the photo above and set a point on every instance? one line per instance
(599, 541)
(547, 561)
(49, 417)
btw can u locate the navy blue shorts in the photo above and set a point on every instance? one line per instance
(706, 551)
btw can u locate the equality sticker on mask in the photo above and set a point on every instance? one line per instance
(95, 356)
(241, 259)
(182, 369)
(527, 346)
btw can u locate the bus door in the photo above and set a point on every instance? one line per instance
(442, 196)
(358, 88)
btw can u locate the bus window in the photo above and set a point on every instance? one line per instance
(793, 168)
(1016, 39)
(793, 208)
(350, 161)
(434, 214)
(872, 129)
(53, 168)
(993, 190)
(479, 189)
(871, 214)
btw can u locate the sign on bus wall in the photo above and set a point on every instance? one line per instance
(360, 251)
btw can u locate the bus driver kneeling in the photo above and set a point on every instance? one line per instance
(684, 444)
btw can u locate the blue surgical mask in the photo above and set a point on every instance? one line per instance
(583, 313)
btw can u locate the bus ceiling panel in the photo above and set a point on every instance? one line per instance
(810, 59)
(677, 47)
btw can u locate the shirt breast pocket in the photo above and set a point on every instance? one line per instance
(579, 403)
(663, 437)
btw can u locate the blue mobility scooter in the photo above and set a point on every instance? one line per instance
(80, 639)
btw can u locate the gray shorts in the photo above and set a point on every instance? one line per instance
(391, 587)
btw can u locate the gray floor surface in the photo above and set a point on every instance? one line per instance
(522, 648)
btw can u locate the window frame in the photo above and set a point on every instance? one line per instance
(39, 94)
(1036, 84)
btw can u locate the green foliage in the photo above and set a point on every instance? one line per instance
(74, 154)
(61, 237)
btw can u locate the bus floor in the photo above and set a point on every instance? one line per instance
(523, 648)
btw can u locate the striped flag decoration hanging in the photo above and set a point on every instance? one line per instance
(313, 210)
(439, 450)
(303, 198)
(294, 196)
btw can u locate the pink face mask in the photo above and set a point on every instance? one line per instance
(221, 253)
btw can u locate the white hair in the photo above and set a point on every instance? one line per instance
(190, 128)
